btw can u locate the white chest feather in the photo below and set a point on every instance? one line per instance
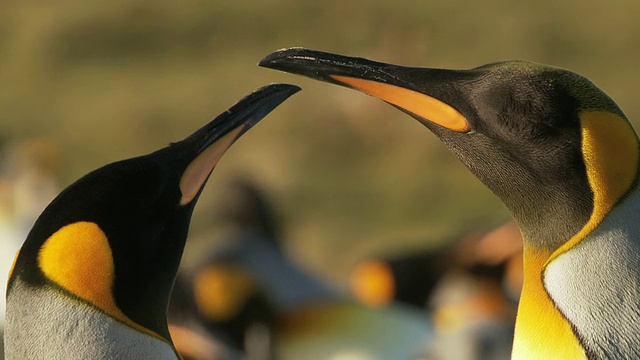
(596, 285)
(44, 324)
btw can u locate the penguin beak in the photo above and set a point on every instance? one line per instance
(207, 145)
(391, 83)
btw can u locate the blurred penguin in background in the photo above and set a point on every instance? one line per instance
(191, 339)
(249, 294)
(474, 304)
(469, 287)
(240, 286)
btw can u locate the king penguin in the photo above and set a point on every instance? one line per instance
(563, 158)
(93, 277)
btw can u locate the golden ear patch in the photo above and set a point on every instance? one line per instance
(415, 102)
(78, 258)
(196, 173)
(611, 153)
(610, 150)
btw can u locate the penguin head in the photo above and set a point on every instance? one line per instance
(114, 238)
(555, 148)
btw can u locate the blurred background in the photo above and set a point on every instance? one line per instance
(83, 84)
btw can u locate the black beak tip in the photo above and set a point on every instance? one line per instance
(314, 64)
(274, 95)
(283, 91)
(279, 56)
(246, 112)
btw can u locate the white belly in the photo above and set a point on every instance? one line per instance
(596, 284)
(47, 325)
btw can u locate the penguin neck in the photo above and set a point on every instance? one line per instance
(548, 219)
(563, 282)
(44, 323)
(542, 331)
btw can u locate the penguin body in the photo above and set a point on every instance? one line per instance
(93, 278)
(562, 157)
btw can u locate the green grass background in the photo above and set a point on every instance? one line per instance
(348, 174)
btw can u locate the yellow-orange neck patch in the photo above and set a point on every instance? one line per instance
(541, 330)
(78, 258)
(414, 102)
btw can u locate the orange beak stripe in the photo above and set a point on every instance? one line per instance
(199, 169)
(416, 103)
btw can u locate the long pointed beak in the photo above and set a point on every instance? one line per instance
(391, 83)
(206, 146)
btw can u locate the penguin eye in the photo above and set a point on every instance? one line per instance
(531, 114)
